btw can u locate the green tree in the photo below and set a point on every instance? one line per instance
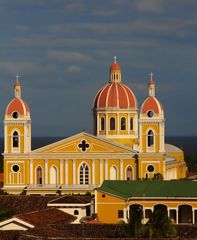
(135, 222)
(160, 225)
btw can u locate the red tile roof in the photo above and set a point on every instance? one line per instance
(79, 199)
(46, 216)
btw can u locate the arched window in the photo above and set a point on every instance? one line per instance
(15, 139)
(53, 175)
(112, 123)
(102, 124)
(131, 123)
(39, 175)
(113, 173)
(84, 174)
(150, 138)
(129, 174)
(123, 123)
(76, 212)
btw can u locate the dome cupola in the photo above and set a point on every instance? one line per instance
(115, 94)
(17, 107)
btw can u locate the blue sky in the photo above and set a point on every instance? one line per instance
(62, 51)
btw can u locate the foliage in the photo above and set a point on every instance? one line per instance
(4, 213)
(191, 162)
(160, 225)
(158, 176)
(135, 222)
(1, 163)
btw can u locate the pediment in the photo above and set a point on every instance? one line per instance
(84, 143)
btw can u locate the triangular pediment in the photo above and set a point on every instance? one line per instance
(84, 143)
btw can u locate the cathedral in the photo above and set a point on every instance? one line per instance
(128, 144)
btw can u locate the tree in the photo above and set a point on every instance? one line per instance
(160, 225)
(135, 222)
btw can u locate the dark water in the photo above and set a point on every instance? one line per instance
(187, 144)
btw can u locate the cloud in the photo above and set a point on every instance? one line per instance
(153, 6)
(22, 27)
(25, 67)
(104, 12)
(79, 6)
(74, 69)
(68, 56)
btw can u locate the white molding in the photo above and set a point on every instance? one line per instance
(74, 171)
(101, 171)
(61, 171)
(66, 171)
(106, 169)
(93, 171)
(46, 171)
(31, 171)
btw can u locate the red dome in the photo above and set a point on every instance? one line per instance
(17, 105)
(151, 104)
(115, 95)
(115, 67)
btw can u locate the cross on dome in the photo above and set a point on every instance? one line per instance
(151, 76)
(115, 58)
(17, 77)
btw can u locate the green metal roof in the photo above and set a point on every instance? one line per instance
(150, 188)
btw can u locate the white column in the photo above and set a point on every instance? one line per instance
(93, 171)
(101, 171)
(98, 124)
(193, 216)
(74, 171)
(61, 171)
(121, 169)
(31, 171)
(177, 215)
(168, 209)
(118, 123)
(66, 171)
(106, 169)
(46, 170)
(125, 214)
(107, 123)
(5, 138)
(128, 123)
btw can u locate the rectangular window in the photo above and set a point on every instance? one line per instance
(120, 214)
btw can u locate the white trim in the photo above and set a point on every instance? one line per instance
(101, 171)
(61, 171)
(68, 204)
(121, 169)
(93, 171)
(66, 171)
(35, 172)
(74, 171)
(57, 174)
(106, 169)
(18, 220)
(78, 172)
(46, 170)
(31, 171)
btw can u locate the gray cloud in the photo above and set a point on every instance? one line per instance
(68, 56)
(153, 6)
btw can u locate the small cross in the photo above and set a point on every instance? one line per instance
(151, 76)
(17, 77)
(83, 145)
(115, 59)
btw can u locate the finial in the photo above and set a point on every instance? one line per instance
(151, 76)
(17, 77)
(115, 59)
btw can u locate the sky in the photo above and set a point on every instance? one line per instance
(62, 51)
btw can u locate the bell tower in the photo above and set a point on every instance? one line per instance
(17, 124)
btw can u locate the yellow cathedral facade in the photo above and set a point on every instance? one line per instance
(128, 144)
